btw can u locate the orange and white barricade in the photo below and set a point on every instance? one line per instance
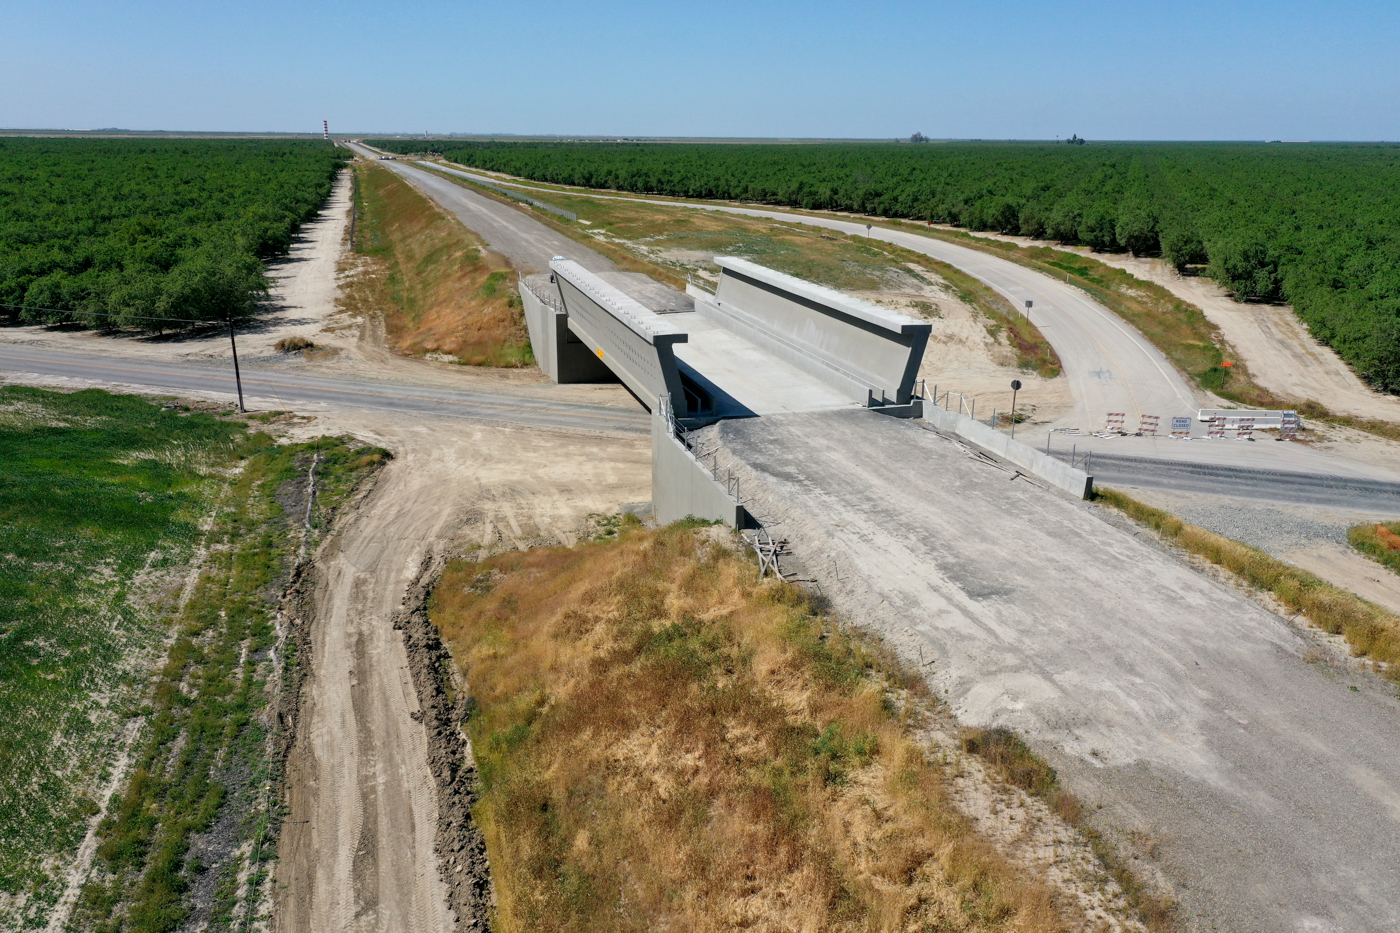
(1148, 425)
(1217, 427)
(1181, 429)
(1244, 429)
(1288, 429)
(1116, 421)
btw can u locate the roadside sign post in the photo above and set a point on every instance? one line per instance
(237, 377)
(1029, 304)
(1015, 387)
(867, 231)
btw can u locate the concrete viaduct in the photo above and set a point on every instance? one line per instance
(762, 343)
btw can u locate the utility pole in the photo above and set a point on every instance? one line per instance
(237, 377)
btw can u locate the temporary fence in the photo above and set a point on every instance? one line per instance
(1262, 418)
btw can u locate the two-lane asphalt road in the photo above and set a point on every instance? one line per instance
(305, 392)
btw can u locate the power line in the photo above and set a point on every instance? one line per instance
(135, 317)
(237, 376)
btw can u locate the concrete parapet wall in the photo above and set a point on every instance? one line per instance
(681, 485)
(634, 342)
(1037, 464)
(849, 342)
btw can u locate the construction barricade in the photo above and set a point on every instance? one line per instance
(1148, 425)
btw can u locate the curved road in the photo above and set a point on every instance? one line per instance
(1109, 365)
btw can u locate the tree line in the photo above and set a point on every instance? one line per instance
(1316, 225)
(114, 232)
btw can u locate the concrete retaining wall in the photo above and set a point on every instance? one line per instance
(1232, 416)
(1037, 464)
(540, 321)
(681, 485)
(561, 354)
(849, 342)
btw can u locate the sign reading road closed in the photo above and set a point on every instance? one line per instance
(1182, 424)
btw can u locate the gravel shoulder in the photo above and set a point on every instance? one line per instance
(1314, 539)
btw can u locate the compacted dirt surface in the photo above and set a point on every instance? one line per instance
(358, 846)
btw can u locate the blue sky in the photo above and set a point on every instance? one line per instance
(995, 70)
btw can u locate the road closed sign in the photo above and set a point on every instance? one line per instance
(1181, 424)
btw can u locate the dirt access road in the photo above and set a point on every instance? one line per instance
(1248, 759)
(357, 847)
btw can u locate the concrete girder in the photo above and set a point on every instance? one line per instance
(854, 344)
(632, 341)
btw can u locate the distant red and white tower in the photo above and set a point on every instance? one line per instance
(326, 129)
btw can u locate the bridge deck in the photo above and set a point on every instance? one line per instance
(747, 379)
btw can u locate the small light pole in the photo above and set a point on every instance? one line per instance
(237, 377)
(1015, 387)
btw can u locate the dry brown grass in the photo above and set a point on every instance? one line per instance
(667, 742)
(437, 286)
(1372, 632)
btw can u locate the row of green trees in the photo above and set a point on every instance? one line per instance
(1314, 225)
(113, 232)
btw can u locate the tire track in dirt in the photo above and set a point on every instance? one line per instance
(358, 850)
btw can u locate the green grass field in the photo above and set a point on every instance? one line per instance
(145, 550)
(101, 502)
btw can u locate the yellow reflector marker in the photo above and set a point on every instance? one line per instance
(600, 353)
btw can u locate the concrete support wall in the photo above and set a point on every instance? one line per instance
(633, 342)
(680, 484)
(1037, 464)
(562, 355)
(540, 321)
(851, 343)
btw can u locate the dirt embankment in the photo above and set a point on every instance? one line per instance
(439, 291)
(444, 706)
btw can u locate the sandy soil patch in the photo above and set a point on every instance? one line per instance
(963, 357)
